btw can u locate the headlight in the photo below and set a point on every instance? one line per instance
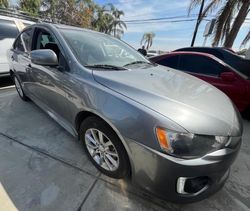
(187, 145)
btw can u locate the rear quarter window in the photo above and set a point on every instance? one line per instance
(200, 64)
(171, 61)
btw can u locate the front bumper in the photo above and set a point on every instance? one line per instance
(159, 173)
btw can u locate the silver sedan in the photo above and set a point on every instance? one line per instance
(170, 133)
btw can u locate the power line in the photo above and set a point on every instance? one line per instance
(162, 18)
(168, 18)
(199, 19)
(164, 21)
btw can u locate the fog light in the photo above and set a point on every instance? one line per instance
(191, 185)
(181, 184)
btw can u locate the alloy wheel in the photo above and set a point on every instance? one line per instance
(101, 149)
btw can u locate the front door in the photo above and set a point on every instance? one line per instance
(49, 80)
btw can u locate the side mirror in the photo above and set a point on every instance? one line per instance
(228, 76)
(44, 57)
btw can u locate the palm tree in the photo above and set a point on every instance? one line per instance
(147, 39)
(103, 20)
(229, 19)
(117, 25)
(108, 20)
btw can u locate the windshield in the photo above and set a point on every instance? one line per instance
(95, 49)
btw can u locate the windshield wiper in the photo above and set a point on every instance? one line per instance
(106, 66)
(137, 62)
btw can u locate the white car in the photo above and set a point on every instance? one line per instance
(10, 27)
(151, 53)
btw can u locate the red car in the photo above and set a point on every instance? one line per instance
(214, 71)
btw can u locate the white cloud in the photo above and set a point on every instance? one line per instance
(169, 35)
(139, 9)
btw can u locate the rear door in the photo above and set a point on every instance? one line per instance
(210, 70)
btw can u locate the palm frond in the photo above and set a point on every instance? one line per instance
(193, 4)
(223, 17)
(210, 7)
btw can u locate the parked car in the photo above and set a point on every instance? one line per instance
(214, 71)
(226, 55)
(10, 27)
(135, 119)
(151, 53)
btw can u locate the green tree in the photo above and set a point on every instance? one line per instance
(72, 12)
(229, 19)
(30, 6)
(147, 39)
(4, 4)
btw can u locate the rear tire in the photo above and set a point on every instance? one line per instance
(19, 88)
(104, 148)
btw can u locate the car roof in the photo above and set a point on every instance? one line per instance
(187, 52)
(222, 50)
(200, 47)
(62, 26)
(155, 58)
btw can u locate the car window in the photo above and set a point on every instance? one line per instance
(23, 42)
(231, 56)
(19, 44)
(98, 49)
(8, 29)
(171, 61)
(45, 40)
(214, 52)
(200, 64)
(26, 37)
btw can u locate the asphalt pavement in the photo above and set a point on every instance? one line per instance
(42, 167)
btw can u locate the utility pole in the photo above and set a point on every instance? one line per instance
(197, 23)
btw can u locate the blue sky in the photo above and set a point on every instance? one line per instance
(169, 36)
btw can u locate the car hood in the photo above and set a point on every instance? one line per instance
(190, 102)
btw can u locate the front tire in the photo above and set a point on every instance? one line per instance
(104, 148)
(19, 89)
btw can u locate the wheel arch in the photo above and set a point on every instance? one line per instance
(82, 115)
